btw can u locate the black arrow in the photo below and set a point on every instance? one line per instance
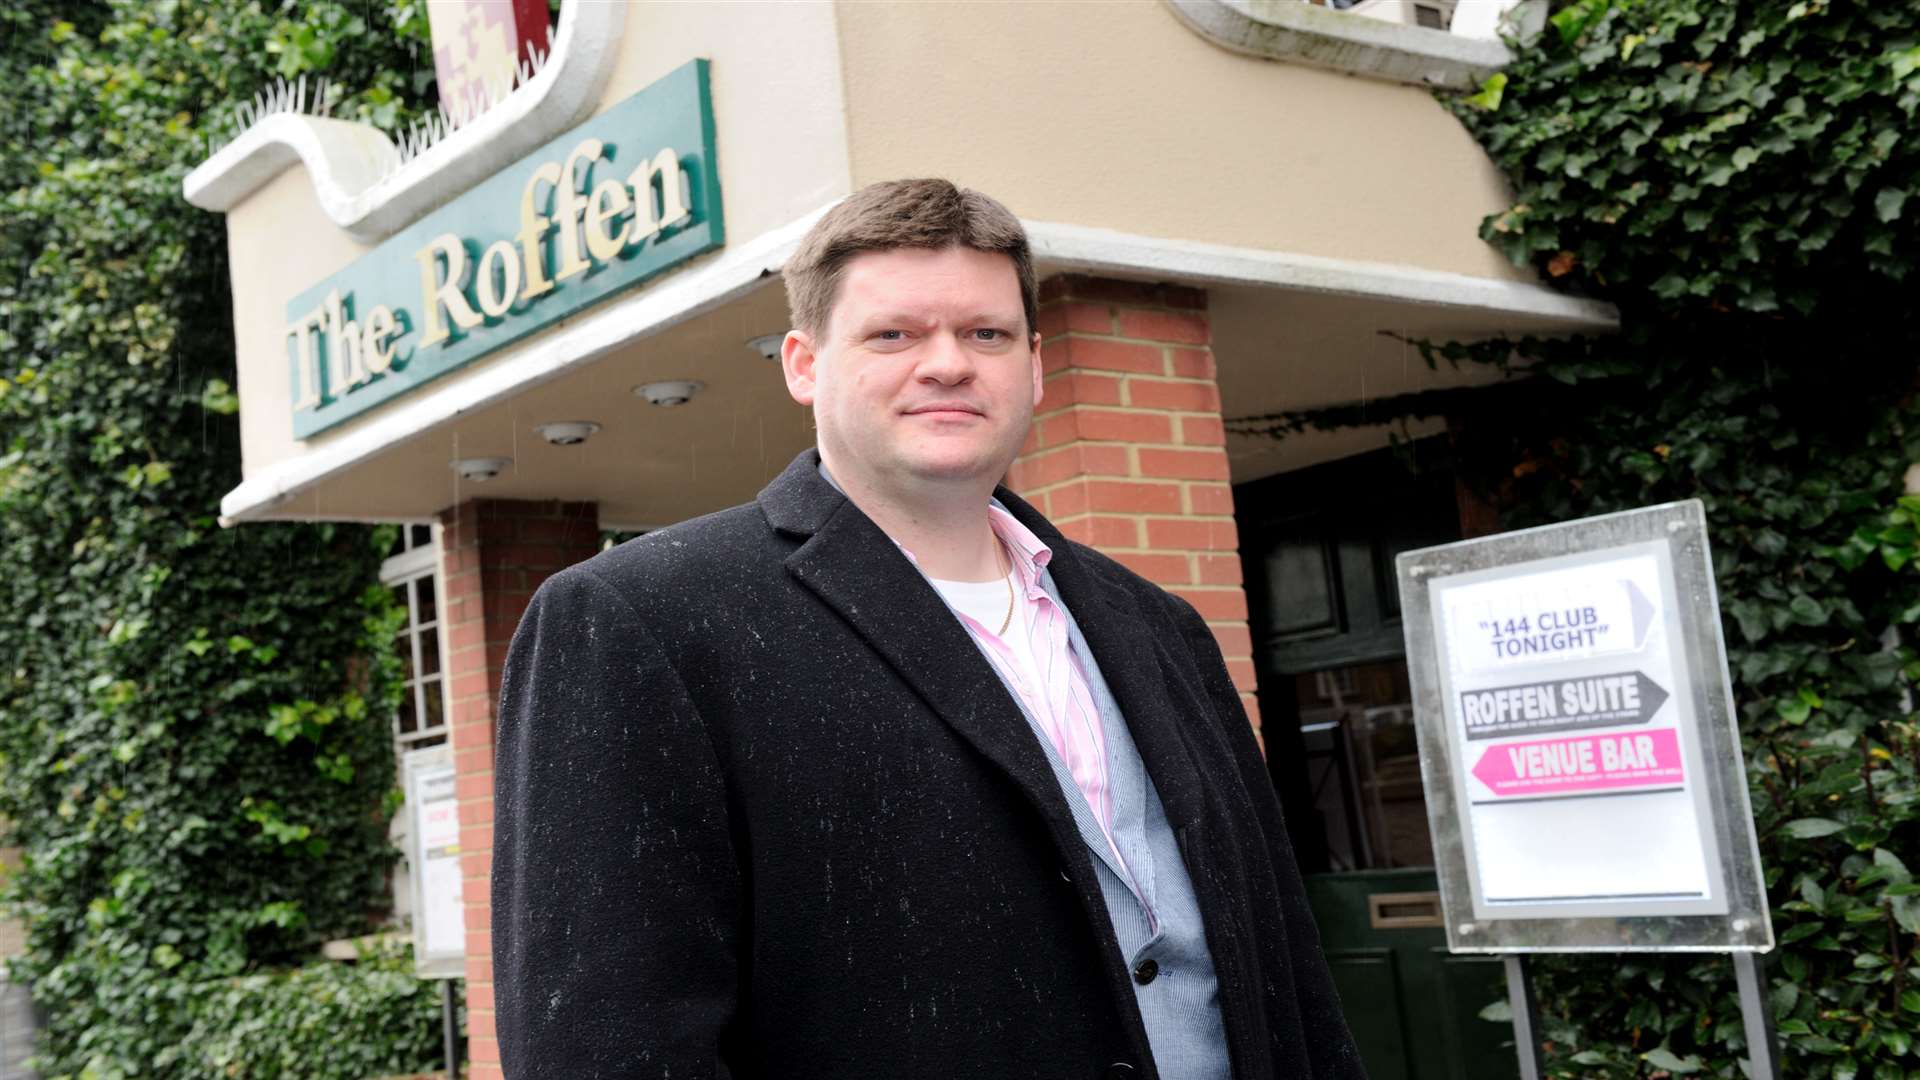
(1617, 699)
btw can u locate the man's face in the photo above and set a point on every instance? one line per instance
(925, 374)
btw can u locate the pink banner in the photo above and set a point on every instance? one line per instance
(1583, 763)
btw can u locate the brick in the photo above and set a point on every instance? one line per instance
(488, 1069)
(463, 635)
(1234, 639)
(479, 1024)
(1242, 674)
(481, 1052)
(472, 682)
(468, 659)
(1184, 464)
(1110, 425)
(1050, 322)
(1210, 499)
(477, 759)
(1203, 431)
(1100, 355)
(1113, 532)
(1075, 387)
(1192, 534)
(1218, 569)
(1079, 530)
(1217, 605)
(463, 582)
(477, 867)
(1158, 568)
(1130, 497)
(480, 996)
(1119, 291)
(1040, 470)
(1175, 396)
(1057, 430)
(1105, 460)
(1192, 363)
(1185, 328)
(1070, 316)
(477, 810)
(479, 940)
(472, 787)
(1068, 500)
(476, 838)
(563, 532)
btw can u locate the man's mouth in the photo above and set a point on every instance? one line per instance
(945, 409)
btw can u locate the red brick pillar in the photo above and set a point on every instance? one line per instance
(1128, 452)
(493, 554)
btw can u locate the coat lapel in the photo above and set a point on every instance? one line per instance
(863, 576)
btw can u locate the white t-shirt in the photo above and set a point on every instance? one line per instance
(986, 603)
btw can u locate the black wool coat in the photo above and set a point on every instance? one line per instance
(764, 811)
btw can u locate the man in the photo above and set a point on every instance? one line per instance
(880, 776)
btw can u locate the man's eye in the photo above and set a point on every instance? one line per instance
(891, 335)
(989, 334)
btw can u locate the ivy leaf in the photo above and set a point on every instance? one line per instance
(1812, 828)
(1662, 1058)
(1491, 91)
(1573, 20)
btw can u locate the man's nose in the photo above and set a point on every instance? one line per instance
(945, 360)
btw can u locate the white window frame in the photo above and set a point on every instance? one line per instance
(418, 561)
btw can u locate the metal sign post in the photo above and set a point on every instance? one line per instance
(1763, 1043)
(1578, 745)
(1526, 1018)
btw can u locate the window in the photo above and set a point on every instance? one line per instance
(412, 572)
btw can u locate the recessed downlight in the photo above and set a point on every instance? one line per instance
(670, 392)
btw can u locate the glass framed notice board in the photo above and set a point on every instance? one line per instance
(1584, 777)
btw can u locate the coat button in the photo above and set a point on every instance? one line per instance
(1144, 971)
(1120, 1070)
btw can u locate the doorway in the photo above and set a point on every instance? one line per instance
(1318, 546)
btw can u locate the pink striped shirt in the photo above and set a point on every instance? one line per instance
(1062, 701)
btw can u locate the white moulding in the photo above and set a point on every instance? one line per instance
(356, 171)
(1082, 247)
(1305, 33)
(738, 270)
(582, 339)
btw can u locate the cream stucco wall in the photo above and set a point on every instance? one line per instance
(781, 147)
(279, 242)
(1114, 116)
(1117, 115)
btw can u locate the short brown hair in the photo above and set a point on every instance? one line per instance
(930, 214)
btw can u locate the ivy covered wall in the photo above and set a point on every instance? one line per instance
(194, 740)
(1741, 178)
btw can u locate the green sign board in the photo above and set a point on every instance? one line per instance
(624, 196)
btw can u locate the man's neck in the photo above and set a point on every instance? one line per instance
(946, 528)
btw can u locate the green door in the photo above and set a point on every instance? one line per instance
(1318, 547)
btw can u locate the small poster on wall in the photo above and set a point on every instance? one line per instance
(433, 852)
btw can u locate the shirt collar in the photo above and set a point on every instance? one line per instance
(1030, 554)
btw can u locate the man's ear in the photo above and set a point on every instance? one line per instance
(797, 362)
(1039, 372)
